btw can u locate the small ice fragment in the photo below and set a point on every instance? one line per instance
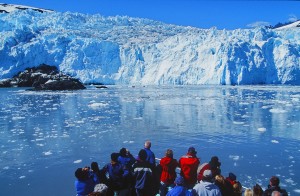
(47, 153)
(78, 161)
(234, 157)
(277, 110)
(21, 177)
(262, 129)
(275, 141)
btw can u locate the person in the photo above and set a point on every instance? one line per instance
(224, 185)
(117, 176)
(248, 192)
(257, 190)
(231, 178)
(99, 175)
(189, 164)
(206, 186)
(150, 154)
(84, 184)
(213, 165)
(237, 189)
(126, 158)
(179, 189)
(274, 186)
(143, 175)
(168, 171)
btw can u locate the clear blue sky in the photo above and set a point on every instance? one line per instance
(198, 13)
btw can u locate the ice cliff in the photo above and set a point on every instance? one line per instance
(124, 50)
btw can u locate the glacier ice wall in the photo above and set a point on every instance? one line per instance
(124, 50)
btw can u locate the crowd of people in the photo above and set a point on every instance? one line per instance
(126, 175)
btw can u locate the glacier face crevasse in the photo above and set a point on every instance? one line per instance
(124, 50)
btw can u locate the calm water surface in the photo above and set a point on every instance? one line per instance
(46, 136)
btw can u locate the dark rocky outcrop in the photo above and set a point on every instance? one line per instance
(43, 77)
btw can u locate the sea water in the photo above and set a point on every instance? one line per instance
(47, 135)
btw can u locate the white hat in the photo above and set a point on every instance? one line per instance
(100, 188)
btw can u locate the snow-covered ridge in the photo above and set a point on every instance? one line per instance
(125, 50)
(7, 8)
(292, 25)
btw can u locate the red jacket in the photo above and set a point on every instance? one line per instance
(168, 173)
(189, 165)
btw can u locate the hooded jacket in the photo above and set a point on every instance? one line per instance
(168, 173)
(207, 188)
(189, 165)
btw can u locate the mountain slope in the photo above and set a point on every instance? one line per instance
(124, 50)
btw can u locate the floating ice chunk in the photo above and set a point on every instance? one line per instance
(78, 161)
(277, 110)
(18, 118)
(97, 105)
(238, 123)
(48, 153)
(275, 141)
(297, 190)
(6, 167)
(262, 129)
(234, 157)
(266, 107)
(21, 177)
(130, 142)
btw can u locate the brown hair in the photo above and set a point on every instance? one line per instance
(169, 153)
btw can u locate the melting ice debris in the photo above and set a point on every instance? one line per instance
(234, 157)
(21, 177)
(97, 105)
(78, 161)
(48, 153)
(275, 141)
(262, 129)
(130, 54)
(277, 110)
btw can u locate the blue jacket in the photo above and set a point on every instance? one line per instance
(143, 176)
(85, 187)
(150, 156)
(128, 161)
(117, 176)
(179, 191)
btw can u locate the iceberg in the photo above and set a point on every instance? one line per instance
(135, 51)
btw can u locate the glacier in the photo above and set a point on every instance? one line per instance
(136, 51)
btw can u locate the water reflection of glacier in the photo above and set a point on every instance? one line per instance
(255, 130)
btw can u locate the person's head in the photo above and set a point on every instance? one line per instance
(123, 152)
(207, 176)
(274, 181)
(276, 193)
(143, 155)
(248, 192)
(237, 188)
(179, 181)
(220, 179)
(192, 151)
(231, 176)
(257, 190)
(147, 144)
(94, 166)
(81, 174)
(114, 158)
(214, 162)
(169, 153)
